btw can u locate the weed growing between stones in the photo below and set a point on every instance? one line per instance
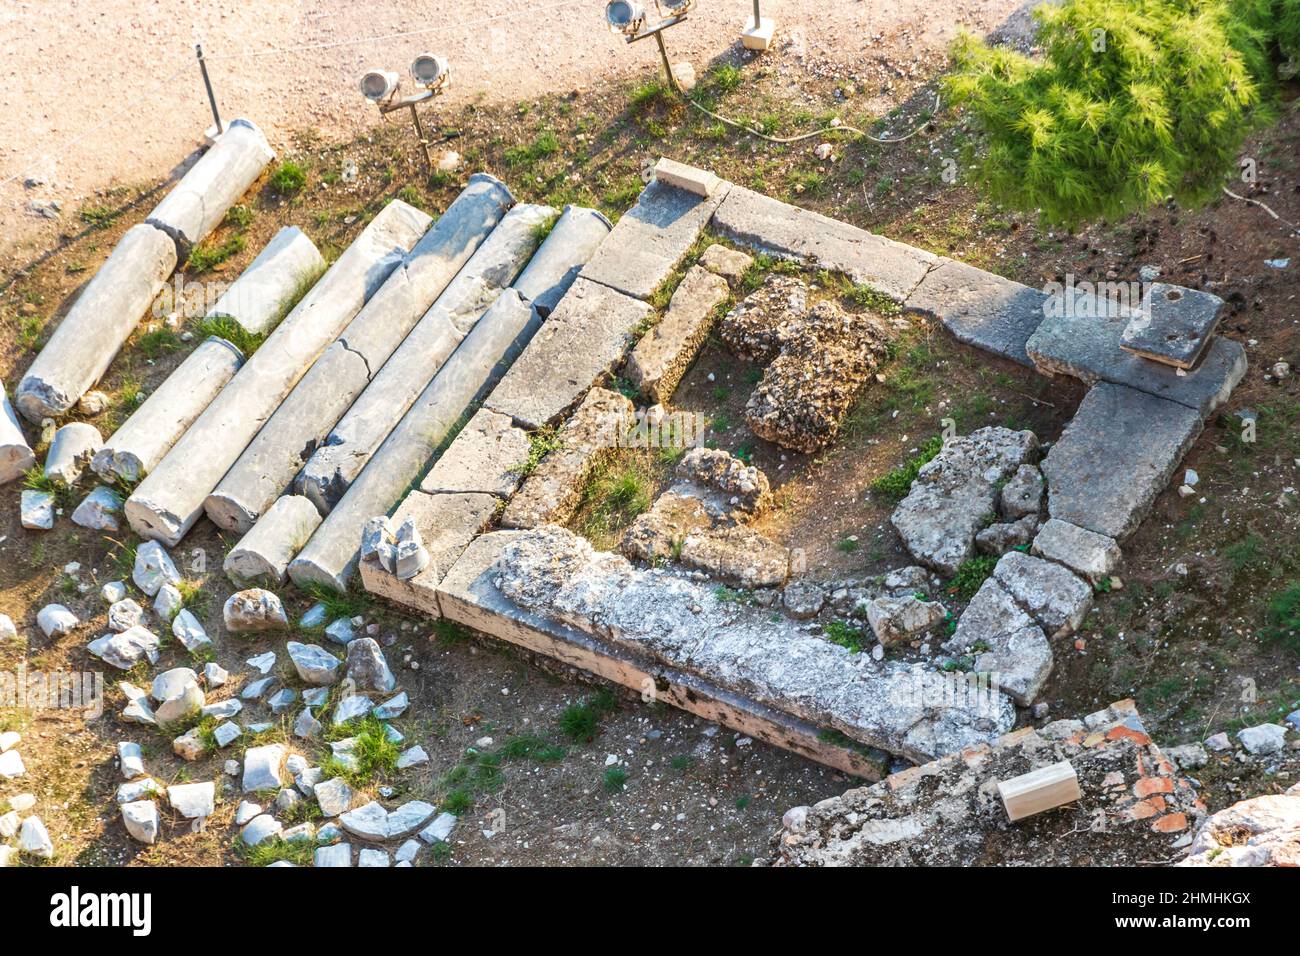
(34, 479)
(276, 850)
(338, 604)
(971, 574)
(289, 177)
(207, 256)
(846, 635)
(224, 327)
(373, 753)
(614, 497)
(541, 443)
(896, 484)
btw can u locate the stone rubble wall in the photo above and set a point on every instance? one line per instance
(1134, 806)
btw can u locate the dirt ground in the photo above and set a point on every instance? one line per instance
(1187, 645)
(291, 65)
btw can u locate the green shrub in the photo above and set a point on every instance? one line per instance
(1133, 101)
(972, 573)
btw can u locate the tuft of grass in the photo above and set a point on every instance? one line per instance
(846, 635)
(375, 755)
(898, 482)
(581, 721)
(541, 443)
(647, 95)
(206, 256)
(338, 604)
(971, 575)
(157, 341)
(614, 780)
(529, 154)
(36, 480)
(289, 177)
(613, 498)
(450, 633)
(238, 216)
(225, 327)
(274, 850)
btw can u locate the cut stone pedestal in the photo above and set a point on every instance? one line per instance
(663, 355)
(759, 37)
(1080, 336)
(1173, 326)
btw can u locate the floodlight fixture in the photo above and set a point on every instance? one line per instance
(379, 85)
(675, 8)
(625, 16)
(430, 71)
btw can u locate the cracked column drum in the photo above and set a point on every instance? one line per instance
(344, 370)
(413, 365)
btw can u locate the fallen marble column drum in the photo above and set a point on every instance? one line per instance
(264, 291)
(330, 557)
(197, 204)
(108, 310)
(155, 426)
(262, 556)
(417, 360)
(16, 456)
(270, 462)
(170, 500)
(103, 317)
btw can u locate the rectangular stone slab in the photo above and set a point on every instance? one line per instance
(584, 340)
(1083, 341)
(651, 239)
(663, 355)
(468, 596)
(1173, 326)
(485, 458)
(980, 308)
(789, 232)
(1115, 458)
(447, 524)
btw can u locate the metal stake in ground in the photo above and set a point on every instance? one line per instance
(207, 83)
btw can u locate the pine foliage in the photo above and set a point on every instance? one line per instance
(1130, 103)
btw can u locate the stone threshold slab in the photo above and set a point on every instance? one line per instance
(468, 596)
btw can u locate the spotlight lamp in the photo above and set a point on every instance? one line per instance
(430, 71)
(675, 8)
(379, 85)
(625, 16)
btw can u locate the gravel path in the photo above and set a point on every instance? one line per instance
(108, 92)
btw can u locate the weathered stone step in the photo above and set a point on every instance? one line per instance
(170, 500)
(346, 368)
(1115, 457)
(651, 239)
(663, 355)
(789, 232)
(583, 341)
(469, 596)
(980, 308)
